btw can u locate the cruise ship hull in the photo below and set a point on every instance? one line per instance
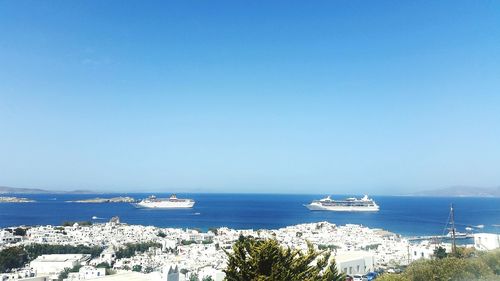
(318, 207)
(165, 205)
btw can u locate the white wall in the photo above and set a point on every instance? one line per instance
(486, 241)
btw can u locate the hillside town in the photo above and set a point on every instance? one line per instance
(190, 254)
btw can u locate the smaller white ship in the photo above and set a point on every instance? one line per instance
(459, 235)
(364, 204)
(165, 203)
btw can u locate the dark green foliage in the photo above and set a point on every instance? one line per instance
(267, 260)
(371, 247)
(327, 247)
(162, 234)
(440, 253)
(184, 271)
(13, 257)
(131, 249)
(35, 250)
(137, 268)
(207, 278)
(187, 242)
(16, 257)
(20, 231)
(214, 230)
(64, 274)
(103, 265)
(194, 277)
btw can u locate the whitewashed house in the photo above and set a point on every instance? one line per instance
(52, 265)
(486, 241)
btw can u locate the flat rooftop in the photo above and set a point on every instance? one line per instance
(61, 257)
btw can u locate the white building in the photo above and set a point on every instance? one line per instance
(486, 241)
(422, 250)
(217, 275)
(132, 276)
(21, 274)
(7, 237)
(86, 272)
(52, 265)
(40, 278)
(107, 256)
(355, 262)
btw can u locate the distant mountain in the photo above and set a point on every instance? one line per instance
(6, 189)
(461, 191)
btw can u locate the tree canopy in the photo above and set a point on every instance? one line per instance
(469, 266)
(266, 260)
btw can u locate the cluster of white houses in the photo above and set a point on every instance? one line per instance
(186, 252)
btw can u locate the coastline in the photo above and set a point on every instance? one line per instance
(15, 199)
(408, 216)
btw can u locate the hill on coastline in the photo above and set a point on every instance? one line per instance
(461, 191)
(7, 189)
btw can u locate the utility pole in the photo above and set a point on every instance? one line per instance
(408, 249)
(454, 244)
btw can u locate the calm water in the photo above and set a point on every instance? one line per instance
(403, 215)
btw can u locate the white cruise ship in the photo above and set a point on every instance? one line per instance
(165, 203)
(364, 204)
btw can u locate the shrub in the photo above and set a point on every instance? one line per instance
(255, 260)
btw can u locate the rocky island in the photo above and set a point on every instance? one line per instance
(120, 199)
(11, 199)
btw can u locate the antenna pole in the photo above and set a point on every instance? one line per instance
(454, 244)
(408, 248)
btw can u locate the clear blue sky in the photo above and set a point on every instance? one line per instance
(334, 97)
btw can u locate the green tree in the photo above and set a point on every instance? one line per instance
(194, 277)
(35, 250)
(103, 265)
(137, 268)
(440, 253)
(207, 278)
(131, 249)
(20, 231)
(64, 274)
(214, 230)
(266, 260)
(13, 257)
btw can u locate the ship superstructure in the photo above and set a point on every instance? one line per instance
(165, 203)
(351, 204)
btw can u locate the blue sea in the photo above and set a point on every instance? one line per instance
(409, 216)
